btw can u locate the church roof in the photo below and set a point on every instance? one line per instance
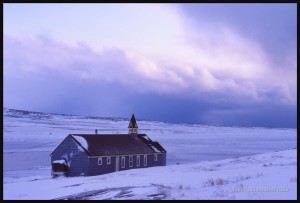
(115, 144)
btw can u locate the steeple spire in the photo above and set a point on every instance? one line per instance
(132, 127)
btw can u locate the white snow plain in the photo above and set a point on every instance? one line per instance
(203, 162)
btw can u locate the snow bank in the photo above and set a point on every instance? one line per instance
(82, 141)
(265, 176)
(62, 161)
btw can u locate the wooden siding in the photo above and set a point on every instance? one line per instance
(77, 159)
(95, 169)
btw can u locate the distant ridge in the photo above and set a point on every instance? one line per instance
(40, 115)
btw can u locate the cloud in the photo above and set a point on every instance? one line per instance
(34, 57)
(233, 46)
(169, 48)
(187, 68)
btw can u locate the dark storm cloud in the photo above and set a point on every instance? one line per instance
(273, 25)
(44, 74)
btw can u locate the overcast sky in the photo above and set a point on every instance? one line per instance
(219, 64)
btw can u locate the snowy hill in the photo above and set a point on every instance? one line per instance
(29, 138)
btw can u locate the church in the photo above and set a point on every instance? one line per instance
(96, 154)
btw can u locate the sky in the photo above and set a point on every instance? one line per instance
(215, 64)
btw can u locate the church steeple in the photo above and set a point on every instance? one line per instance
(132, 127)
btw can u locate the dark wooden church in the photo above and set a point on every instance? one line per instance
(95, 154)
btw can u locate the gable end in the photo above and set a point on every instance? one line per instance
(85, 150)
(64, 140)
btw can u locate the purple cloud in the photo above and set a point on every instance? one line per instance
(220, 72)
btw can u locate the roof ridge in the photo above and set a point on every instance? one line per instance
(106, 134)
(112, 144)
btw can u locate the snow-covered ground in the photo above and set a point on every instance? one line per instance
(267, 176)
(203, 162)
